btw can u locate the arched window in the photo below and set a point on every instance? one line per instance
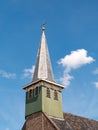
(30, 93)
(48, 93)
(55, 95)
(36, 91)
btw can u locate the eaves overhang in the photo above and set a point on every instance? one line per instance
(43, 80)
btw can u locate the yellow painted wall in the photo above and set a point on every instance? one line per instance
(50, 106)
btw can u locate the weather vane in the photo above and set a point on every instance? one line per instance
(43, 26)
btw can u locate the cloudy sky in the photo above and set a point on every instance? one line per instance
(72, 37)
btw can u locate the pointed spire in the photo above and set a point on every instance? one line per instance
(43, 69)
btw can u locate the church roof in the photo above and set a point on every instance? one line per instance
(43, 69)
(74, 122)
(41, 121)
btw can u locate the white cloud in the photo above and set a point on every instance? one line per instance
(95, 71)
(96, 84)
(74, 60)
(66, 79)
(7, 75)
(28, 73)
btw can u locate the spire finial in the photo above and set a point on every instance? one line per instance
(43, 26)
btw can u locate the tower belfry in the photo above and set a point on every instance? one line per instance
(43, 69)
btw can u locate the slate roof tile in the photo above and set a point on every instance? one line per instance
(73, 122)
(41, 121)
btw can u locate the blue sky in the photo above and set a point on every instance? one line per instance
(72, 36)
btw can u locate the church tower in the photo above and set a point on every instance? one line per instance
(43, 94)
(43, 106)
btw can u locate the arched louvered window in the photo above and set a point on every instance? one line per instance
(48, 92)
(55, 95)
(30, 93)
(36, 91)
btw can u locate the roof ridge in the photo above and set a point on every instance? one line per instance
(81, 116)
(51, 121)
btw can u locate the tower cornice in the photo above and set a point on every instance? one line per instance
(43, 82)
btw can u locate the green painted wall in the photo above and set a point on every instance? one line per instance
(33, 104)
(50, 106)
(42, 103)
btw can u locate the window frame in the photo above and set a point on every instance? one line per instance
(30, 93)
(48, 94)
(36, 91)
(55, 95)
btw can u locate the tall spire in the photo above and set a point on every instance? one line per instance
(43, 69)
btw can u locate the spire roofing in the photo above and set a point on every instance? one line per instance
(43, 69)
